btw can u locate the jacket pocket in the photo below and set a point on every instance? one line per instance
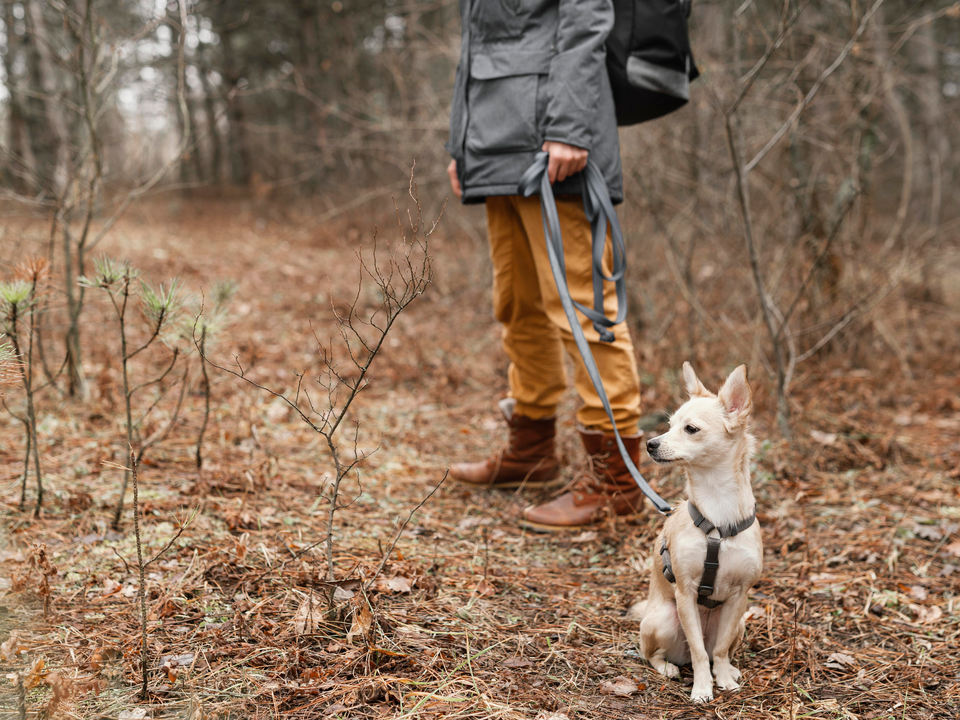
(500, 19)
(502, 114)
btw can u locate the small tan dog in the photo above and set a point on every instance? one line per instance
(699, 614)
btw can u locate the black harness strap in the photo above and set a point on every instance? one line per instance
(711, 564)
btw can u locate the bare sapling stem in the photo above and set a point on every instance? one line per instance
(206, 400)
(783, 408)
(142, 569)
(18, 299)
(399, 279)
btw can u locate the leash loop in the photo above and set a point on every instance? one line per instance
(600, 211)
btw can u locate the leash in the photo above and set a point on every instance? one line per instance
(600, 212)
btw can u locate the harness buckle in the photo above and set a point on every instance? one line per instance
(705, 590)
(708, 564)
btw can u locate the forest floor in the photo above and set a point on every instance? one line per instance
(856, 615)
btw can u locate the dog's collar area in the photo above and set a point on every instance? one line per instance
(706, 527)
(711, 564)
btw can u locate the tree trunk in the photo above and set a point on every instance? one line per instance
(237, 131)
(53, 106)
(22, 167)
(210, 110)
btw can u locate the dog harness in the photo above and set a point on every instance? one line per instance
(712, 562)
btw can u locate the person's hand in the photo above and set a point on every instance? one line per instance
(565, 160)
(454, 180)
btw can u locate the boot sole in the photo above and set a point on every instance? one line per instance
(546, 529)
(513, 484)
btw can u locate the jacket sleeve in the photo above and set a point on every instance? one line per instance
(574, 83)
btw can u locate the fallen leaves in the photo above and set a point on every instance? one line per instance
(928, 615)
(362, 622)
(839, 661)
(11, 647)
(102, 656)
(309, 616)
(397, 584)
(620, 685)
(823, 438)
(132, 714)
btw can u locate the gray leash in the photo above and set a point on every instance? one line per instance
(600, 211)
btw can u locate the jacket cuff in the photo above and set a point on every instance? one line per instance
(578, 140)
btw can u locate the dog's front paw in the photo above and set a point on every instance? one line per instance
(670, 670)
(702, 690)
(701, 695)
(727, 676)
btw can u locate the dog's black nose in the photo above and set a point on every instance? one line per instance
(652, 445)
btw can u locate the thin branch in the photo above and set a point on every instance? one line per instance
(814, 89)
(389, 552)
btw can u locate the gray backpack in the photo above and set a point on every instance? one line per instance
(649, 59)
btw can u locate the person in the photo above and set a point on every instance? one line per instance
(532, 76)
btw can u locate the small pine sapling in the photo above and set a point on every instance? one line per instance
(209, 325)
(159, 307)
(9, 366)
(19, 301)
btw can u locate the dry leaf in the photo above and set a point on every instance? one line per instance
(61, 687)
(953, 548)
(341, 594)
(362, 622)
(134, 714)
(842, 659)
(517, 663)
(929, 615)
(823, 438)
(619, 686)
(35, 675)
(309, 616)
(927, 532)
(101, 656)
(11, 647)
(585, 537)
(918, 592)
(399, 584)
(484, 589)
(544, 715)
(754, 611)
(470, 522)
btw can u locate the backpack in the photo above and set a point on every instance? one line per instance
(649, 59)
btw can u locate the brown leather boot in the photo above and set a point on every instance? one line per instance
(606, 489)
(529, 461)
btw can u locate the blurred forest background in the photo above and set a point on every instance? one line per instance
(800, 214)
(844, 117)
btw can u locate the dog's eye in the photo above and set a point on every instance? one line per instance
(691, 430)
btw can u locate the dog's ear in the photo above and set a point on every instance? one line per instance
(736, 395)
(694, 387)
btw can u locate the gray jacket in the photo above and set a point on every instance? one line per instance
(531, 71)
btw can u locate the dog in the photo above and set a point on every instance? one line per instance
(692, 620)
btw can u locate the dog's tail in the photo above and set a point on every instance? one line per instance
(636, 611)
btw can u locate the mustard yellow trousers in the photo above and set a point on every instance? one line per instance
(535, 328)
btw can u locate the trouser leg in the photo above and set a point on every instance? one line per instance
(616, 361)
(531, 339)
